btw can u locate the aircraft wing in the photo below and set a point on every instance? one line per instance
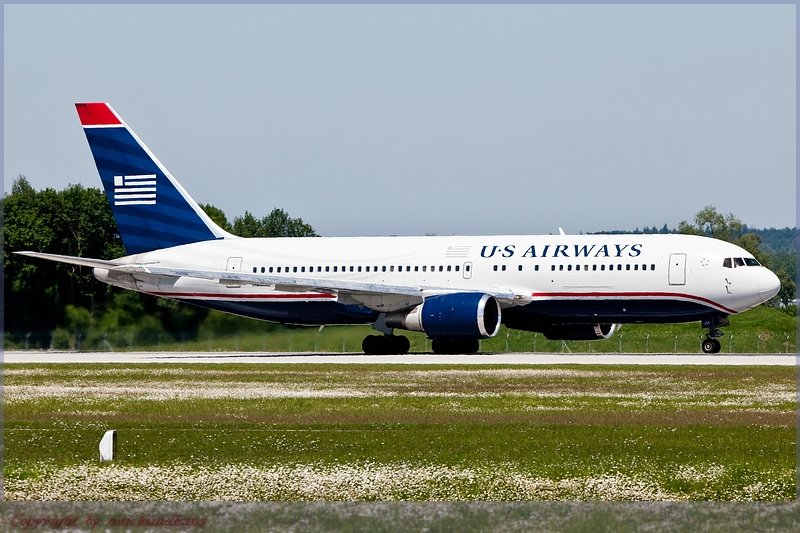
(283, 283)
(354, 288)
(359, 290)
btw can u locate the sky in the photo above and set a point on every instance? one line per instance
(437, 119)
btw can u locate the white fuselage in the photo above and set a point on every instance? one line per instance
(682, 275)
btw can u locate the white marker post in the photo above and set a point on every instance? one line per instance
(108, 445)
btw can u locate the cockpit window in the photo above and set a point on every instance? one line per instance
(733, 262)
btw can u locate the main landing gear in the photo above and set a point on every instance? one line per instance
(710, 344)
(385, 345)
(399, 345)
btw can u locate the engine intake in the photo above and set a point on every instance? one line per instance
(457, 315)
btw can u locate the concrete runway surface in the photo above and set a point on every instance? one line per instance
(413, 359)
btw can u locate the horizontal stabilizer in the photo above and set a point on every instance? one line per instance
(81, 261)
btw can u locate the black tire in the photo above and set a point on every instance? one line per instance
(711, 346)
(400, 344)
(371, 345)
(385, 345)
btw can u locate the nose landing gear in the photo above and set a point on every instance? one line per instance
(710, 344)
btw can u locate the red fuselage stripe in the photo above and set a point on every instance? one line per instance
(632, 295)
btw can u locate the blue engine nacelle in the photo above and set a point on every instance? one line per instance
(462, 315)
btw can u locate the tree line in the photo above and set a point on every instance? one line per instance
(56, 305)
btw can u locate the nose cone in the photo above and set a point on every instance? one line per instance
(768, 284)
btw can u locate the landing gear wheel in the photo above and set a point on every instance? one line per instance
(401, 344)
(711, 346)
(385, 345)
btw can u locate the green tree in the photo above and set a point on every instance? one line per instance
(246, 226)
(54, 304)
(76, 221)
(277, 223)
(217, 215)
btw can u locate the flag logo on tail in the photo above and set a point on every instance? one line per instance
(135, 190)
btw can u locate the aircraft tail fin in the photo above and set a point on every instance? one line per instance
(151, 208)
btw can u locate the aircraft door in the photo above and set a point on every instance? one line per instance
(234, 265)
(677, 269)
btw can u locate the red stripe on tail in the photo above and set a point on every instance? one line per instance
(97, 114)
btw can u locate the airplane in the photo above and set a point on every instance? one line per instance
(457, 290)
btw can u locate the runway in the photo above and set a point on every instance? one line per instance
(409, 359)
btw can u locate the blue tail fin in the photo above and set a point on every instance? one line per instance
(151, 208)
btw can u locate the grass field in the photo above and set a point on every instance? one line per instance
(397, 432)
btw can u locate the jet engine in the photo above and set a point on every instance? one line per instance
(579, 332)
(452, 316)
